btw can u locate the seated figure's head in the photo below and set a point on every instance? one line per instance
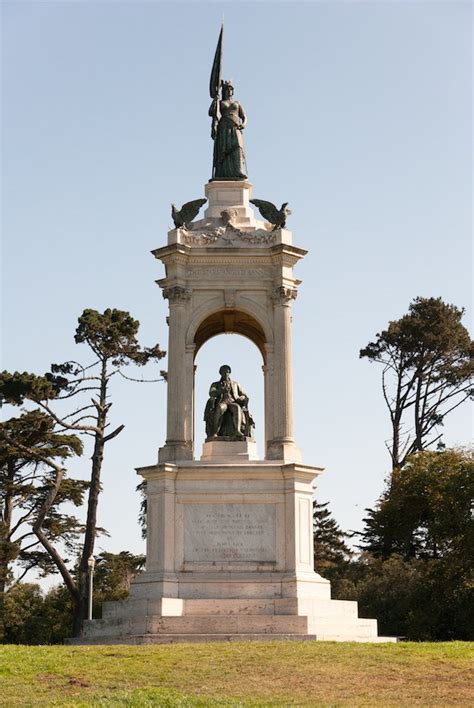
(225, 371)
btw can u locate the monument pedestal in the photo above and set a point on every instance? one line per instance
(229, 452)
(229, 556)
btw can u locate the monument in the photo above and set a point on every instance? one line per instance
(229, 535)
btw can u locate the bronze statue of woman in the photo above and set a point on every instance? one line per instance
(228, 121)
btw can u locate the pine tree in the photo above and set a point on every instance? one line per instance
(330, 548)
(426, 357)
(112, 338)
(31, 456)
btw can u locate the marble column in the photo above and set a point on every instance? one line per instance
(282, 445)
(179, 445)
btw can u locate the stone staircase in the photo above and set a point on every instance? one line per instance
(171, 620)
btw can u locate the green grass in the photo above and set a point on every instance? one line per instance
(240, 673)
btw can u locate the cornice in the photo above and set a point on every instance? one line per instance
(172, 249)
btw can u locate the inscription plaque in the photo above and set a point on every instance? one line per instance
(229, 532)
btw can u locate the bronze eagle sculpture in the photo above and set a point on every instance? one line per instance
(276, 217)
(182, 217)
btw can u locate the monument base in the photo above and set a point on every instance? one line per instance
(229, 451)
(229, 556)
(170, 620)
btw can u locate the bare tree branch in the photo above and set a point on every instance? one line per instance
(114, 434)
(37, 528)
(59, 421)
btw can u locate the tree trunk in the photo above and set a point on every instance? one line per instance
(44, 540)
(396, 416)
(417, 444)
(5, 543)
(80, 605)
(79, 614)
(2, 609)
(396, 443)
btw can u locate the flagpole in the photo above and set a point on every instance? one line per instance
(215, 86)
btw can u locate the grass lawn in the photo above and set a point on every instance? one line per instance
(240, 673)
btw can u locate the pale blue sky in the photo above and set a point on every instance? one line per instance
(359, 115)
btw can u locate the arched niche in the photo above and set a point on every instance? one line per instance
(231, 321)
(245, 360)
(216, 320)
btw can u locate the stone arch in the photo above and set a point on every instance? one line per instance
(211, 321)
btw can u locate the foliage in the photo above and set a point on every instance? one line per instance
(416, 572)
(426, 510)
(422, 600)
(111, 336)
(330, 548)
(30, 453)
(114, 573)
(24, 619)
(141, 489)
(34, 618)
(58, 608)
(244, 673)
(426, 359)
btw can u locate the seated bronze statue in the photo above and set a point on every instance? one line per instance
(226, 413)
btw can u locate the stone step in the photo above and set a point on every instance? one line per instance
(228, 624)
(361, 628)
(189, 638)
(322, 637)
(239, 607)
(324, 609)
(204, 638)
(369, 624)
(174, 607)
(271, 606)
(333, 628)
(327, 620)
(198, 624)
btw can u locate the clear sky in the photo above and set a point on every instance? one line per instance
(359, 115)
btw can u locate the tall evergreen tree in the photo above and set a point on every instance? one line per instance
(330, 548)
(112, 338)
(31, 458)
(426, 359)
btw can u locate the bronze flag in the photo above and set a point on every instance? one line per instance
(215, 82)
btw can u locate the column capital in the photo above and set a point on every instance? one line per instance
(176, 293)
(282, 294)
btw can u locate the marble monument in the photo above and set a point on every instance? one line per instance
(230, 536)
